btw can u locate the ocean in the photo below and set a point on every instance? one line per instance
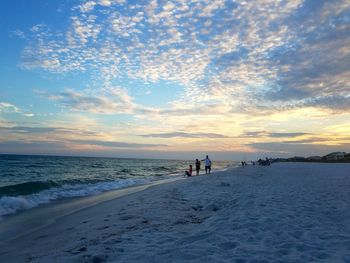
(28, 181)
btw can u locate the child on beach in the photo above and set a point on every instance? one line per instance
(189, 172)
(198, 166)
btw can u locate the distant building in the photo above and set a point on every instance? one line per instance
(335, 156)
(314, 158)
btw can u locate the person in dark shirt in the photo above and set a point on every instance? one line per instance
(198, 166)
(189, 172)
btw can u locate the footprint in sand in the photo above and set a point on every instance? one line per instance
(223, 184)
(228, 245)
(103, 227)
(212, 207)
(126, 217)
(97, 259)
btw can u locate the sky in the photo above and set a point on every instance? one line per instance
(175, 79)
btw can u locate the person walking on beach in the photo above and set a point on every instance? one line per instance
(198, 166)
(189, 172)
(207, 163)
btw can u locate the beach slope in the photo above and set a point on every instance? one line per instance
(287, 212)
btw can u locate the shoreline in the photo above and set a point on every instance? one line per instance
(44, 198)
(289, 212)
(37, 217)
(61, 208)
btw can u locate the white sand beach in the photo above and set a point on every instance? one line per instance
(286, 212)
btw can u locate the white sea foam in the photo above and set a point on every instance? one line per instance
(13, 204)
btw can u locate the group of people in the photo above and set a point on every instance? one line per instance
(207, 163)
(264, 162)
(260, 162)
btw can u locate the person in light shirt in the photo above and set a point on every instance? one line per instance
(207, 164)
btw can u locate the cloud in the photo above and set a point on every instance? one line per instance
(88, 6)
(116, 144)
(299, 149)
(330, 139)
(111, 101)
(335, 103)
(8, 107)
(182, 110)
(45, 130)
(32, 147)
(23, 129)
(263, 56)
(274, 134)
(309, 141)
(5, 123)
(19, 33)
(117, 101)
(184, 135)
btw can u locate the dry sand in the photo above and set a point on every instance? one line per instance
(287, 212)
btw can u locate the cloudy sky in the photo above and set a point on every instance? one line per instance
(174, 79)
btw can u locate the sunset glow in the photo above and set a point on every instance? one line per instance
(174, 79)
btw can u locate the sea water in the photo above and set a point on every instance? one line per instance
(28, 181)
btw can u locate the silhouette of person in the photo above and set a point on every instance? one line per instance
(189, 172)
(207, 163)
(198, 166)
